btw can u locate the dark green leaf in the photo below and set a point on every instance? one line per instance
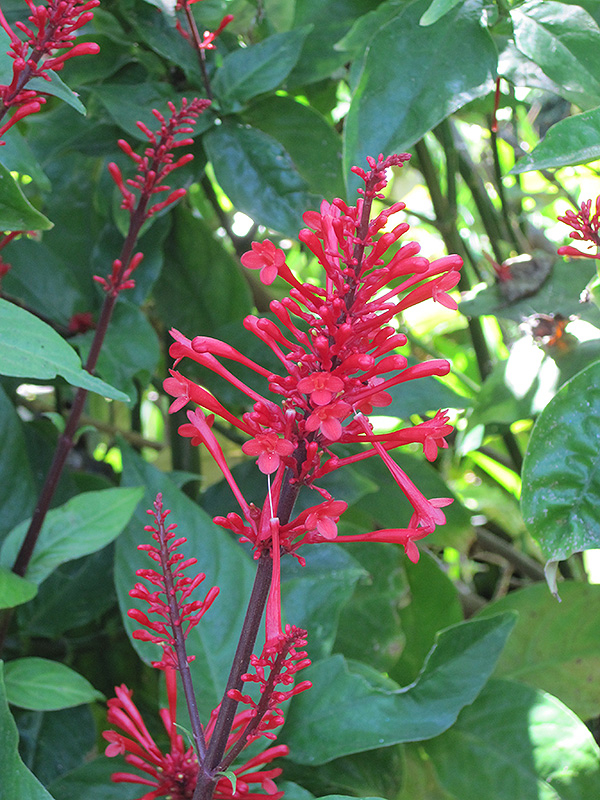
(18, 782)
(258, 176)
(54, 742)
(561, 483)
(554, 647)
(57, 88)
(16, 212)
(213, 642)
(14, 590)
(398, 99)
(83, 525)
(202, 287)
(351, 708)
(42, 685)
(16, 155)
(437, 10)
(16, 475)
(92, 782)
(515, 742)
(250, 71)
(313, 595)
(563, 40)
(313, 145)
(30, 348)
(575, 140)
(431, 604)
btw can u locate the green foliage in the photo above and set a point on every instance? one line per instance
(42, 685)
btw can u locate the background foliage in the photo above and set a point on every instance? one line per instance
(458, 677)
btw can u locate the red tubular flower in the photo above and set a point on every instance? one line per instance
(586, 228)
(338, 363)
(53, 28)
(174, 774)
(170, 603)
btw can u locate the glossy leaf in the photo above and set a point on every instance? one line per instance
(318, 156)
(14, 590)
(561, 483)
(352, 708)
(202, 287)
(409, 96)
(42, 685)
(16, 212)
(56, 87)
(83, 525)
(225, 564)
(30, 348)
(16, 473)
(563, 40)
(259, 177)
(17, 781)
(554, 647)
(514, 741)
(250, 71)
(437, 10)
(575, 140)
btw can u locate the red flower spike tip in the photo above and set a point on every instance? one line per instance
(276, 666)
(586, 228)
(338, 350)
(171, 601)
(52, 28)
(174, 774)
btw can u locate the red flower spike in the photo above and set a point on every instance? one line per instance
(53, 27)
(170, 603)
(174, 774)
(338, 354)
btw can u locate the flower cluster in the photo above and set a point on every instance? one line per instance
(170, 602)
(208, 37)
(174, 774)
(53, 28)
(153, 168)
(586, 228)
(283, 661)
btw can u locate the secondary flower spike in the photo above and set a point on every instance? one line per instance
(52, 28)
(339, 357)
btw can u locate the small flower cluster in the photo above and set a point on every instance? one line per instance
(208, 37)
(283, 661)
(152, 169)
(53, 28)
(170, 601)
(586, 228)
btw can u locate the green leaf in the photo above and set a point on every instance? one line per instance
(92, 782)
(83, 525)
(225, 564)
(351, 708)
(54, 742)
(203, 286)
(313, 595)
(18, 782)
(516, 742)
(318, 157)
(258, 176)
(563, 39)
(29, 348)
(56, 87)
(16, 474)
(14, 590)
(575, 140)
(250, 71)
(399, 98)
(437, 10)
(16, 212)
(554, 647)
(561, 479)
(42, 685)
